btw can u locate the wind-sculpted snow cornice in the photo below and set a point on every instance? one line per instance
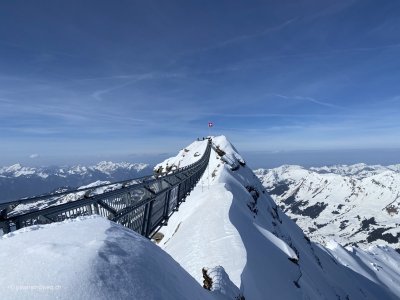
(141, 204)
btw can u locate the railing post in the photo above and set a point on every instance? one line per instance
(178, 197)
(182, 191)
(5, 223)
(96, 208)
(147, 219)
(6, 227)
(183, 198)
(187, 187)
(166, 206)
(89, 209)
(17, 224)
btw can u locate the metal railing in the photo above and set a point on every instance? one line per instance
(141, 204)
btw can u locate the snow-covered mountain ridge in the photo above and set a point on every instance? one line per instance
(229, 220)
(106, 167)
(19, 181)
(228, 235)
(360, 170)
(356, 204)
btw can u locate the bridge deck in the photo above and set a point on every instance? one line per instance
(141, 204)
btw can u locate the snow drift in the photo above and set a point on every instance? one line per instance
(228, 235)
(89, 258)
(229, 220)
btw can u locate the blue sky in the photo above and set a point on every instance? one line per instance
(117, 78)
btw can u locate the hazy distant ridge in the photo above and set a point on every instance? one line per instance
(18, 181)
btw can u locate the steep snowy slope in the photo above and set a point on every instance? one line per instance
(356, 204)
(230, 221)
(229, 235)
(186, 156)
(90, 258)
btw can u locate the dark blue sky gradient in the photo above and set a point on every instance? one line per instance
(84, 79)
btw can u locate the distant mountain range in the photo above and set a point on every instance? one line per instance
(18, 181)
(228, 235)
(355, 205)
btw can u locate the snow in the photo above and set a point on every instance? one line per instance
(380, 264)
(185, 157)
(77, 170)
(228, 225)
(105, 167)
(89, 258)
(94, 184)
(221, 284)
(215, 227)
(13, 168)
(280, 244)
(17, 170)
(108, 167)
(42, 175)
(194, 240)
(103, 186)
(352, 194)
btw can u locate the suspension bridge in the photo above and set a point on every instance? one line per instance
(141, 204)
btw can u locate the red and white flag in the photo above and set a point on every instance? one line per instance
(210, 124)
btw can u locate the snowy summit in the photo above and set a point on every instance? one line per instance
(228, 236)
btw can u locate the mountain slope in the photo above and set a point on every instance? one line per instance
(233, 223)
(228, 235)
(356, 204)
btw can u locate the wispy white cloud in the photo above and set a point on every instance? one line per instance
(245, 37)
(34, 155)
(132, 79)
(236, 39)
(98, 95)
(308, 99)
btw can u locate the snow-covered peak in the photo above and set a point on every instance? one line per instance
(13, 168)
(108, 167)
(17, 170)
(77, 170)
(185, 157)
(360, 170)
(230, 221)
(228, 235)
(394, 167)
(285, 172)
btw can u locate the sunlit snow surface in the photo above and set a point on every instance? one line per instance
(356, 204)
(185, 157)
(247, 244)
(215, 227)
(89, 258)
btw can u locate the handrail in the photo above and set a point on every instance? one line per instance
(141, 206)
(51, 195)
